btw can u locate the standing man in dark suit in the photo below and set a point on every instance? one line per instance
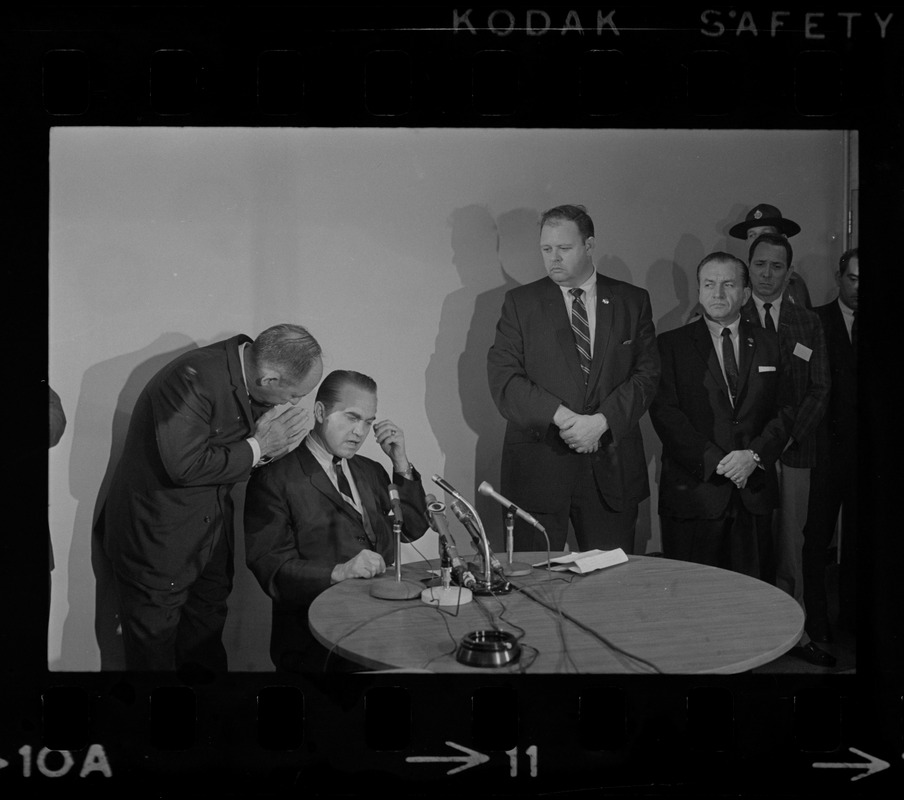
(322, 515)
(573, 369)
(724, 412)
(201, 425)
(804, 354)
(835, 474)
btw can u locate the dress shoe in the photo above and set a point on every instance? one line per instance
(819, 631)
(813, 655)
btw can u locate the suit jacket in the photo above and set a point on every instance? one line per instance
(533, 367)
(693, 415)
(840, 422)
(170, 497)
(804, 354)
(298, 527)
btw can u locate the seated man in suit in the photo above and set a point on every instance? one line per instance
(322, 515)
(724, 411)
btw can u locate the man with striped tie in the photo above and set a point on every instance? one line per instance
(323, 514)
(573, 368)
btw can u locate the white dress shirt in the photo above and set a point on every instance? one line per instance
(847, 314)
(774, 311)
(325, 459)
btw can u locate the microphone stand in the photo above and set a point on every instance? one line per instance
(513, 568)
(490, 583)
(396, 589)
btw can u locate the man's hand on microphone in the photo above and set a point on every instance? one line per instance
(280, 429)
(392, 439)
(367, 564)
(582, 432)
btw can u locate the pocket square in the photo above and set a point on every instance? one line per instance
(766, 369)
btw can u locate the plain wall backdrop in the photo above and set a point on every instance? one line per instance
(395, 248)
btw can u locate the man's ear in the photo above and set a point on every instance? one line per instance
(319, 411)
(268, 378)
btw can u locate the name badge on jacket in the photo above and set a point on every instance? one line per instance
(802, 351)
(766, 369)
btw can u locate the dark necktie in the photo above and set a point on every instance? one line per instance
(770, 323)
(344, 489)
(581, 329)
(731, 365)
(854, 334)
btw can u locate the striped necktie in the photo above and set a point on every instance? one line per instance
(581, 329)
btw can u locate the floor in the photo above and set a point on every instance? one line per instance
(844, 646)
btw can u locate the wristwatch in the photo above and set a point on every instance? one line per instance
(408, 474)
(756, 458)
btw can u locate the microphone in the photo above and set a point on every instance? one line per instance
(488, 491)
(397, 589)
(395, 503)
(436, 513)
(448, 488)
(465, 518)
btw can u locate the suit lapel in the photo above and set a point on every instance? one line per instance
(557, 314)
(606, 313)
(704, 344)
(746, 353)
(321, 481)
(235, 375)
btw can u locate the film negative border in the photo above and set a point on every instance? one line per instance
(265, 735)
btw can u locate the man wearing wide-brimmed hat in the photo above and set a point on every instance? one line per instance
(765, 218)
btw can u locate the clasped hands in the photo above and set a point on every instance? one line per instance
(581, 432)
(279, 430)
(737, 466)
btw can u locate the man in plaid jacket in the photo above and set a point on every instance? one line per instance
(804, 353)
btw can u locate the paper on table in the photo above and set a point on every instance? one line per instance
(588, 561)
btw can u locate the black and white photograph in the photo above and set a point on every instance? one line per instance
(422, 259)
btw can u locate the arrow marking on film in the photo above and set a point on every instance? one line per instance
(873, 765)
(471, 759)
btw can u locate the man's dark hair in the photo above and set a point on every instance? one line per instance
(576, 214)
(332, 386)
(720, 256)
(288, 349)
(775, 239)
(846, 257)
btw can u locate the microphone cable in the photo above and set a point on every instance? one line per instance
(555, 607)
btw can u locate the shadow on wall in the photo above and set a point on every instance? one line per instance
(88, 564)
(491, 255)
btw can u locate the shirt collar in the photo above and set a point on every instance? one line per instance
(715, 328)
(775, 305)
(323, 455)
(589, 286)
(848, 312)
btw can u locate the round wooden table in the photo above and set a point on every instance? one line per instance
(645, 616)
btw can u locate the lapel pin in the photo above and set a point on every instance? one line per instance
(606, 300)
(750, 341)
